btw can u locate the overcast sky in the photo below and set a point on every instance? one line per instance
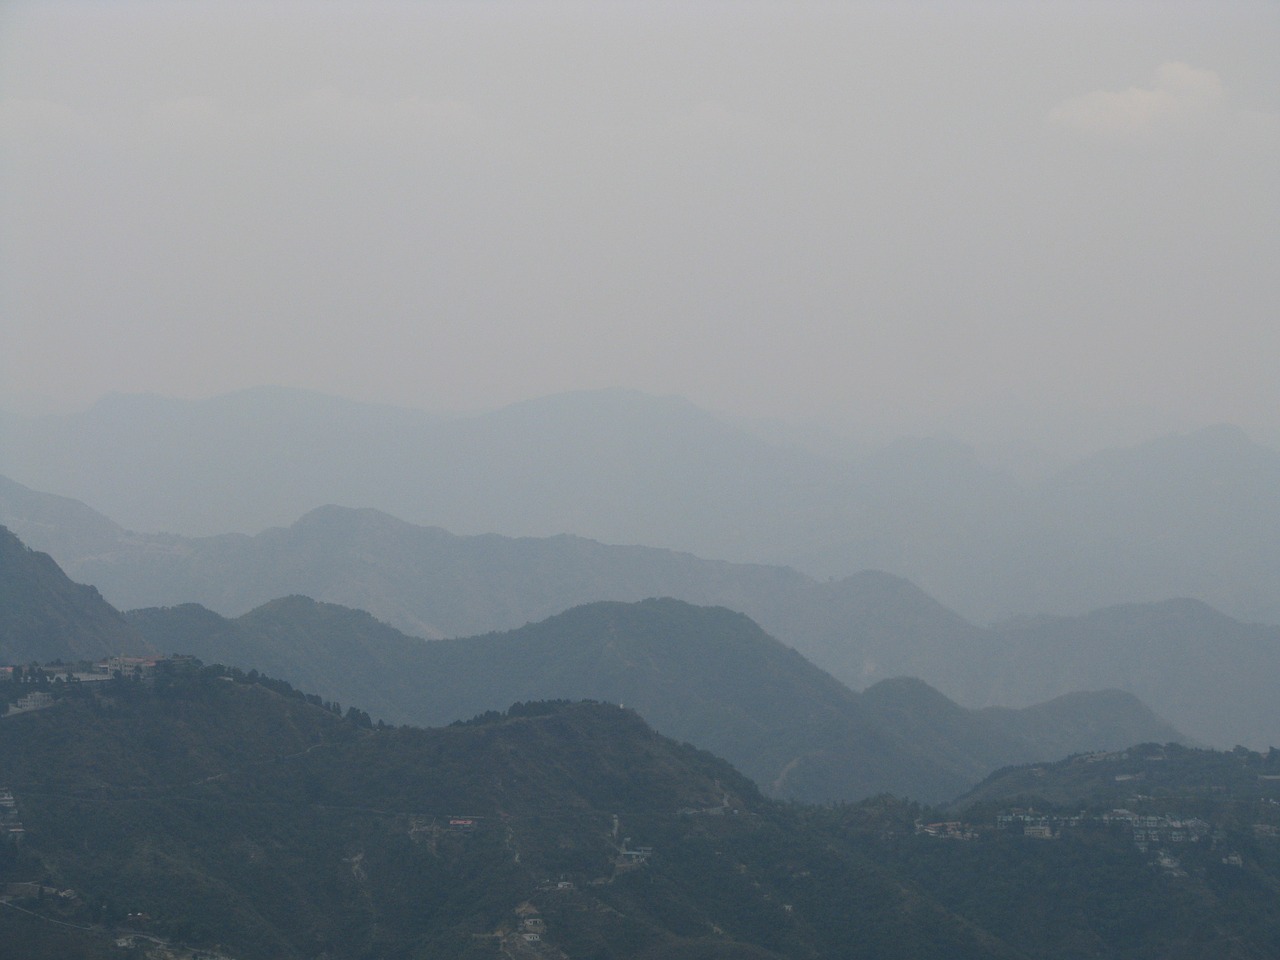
(979, 217)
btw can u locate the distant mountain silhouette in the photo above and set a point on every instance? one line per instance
(429, 582)
(1190, 515)
(612, 464)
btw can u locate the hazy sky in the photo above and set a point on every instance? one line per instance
(914, 215)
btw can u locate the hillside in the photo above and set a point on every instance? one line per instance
(44, 616)
(228, 813)
(1144, 773)
(1204, 825)
(323, 835)
(705, 675)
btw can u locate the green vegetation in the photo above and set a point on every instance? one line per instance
(216, 808)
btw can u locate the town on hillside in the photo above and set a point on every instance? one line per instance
(27, 687)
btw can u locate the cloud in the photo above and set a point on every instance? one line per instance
(1179, 97)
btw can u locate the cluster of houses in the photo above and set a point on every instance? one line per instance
(1149, 832)
(1145, 829)
(951, 829)
(531, 926)
(39, 680)
(144, 668)
(1038, 825)
(1155, 829)
(35, 700)
(129, 668)
(631, 858)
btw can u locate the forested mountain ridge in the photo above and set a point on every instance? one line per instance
(225, 812)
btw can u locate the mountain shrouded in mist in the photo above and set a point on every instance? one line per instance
(862, 629)
(702, 674)
(1191, 515)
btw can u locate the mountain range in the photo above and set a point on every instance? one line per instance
(1205, 672)
(1195, 515)
(216, 811)
(702, 674)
